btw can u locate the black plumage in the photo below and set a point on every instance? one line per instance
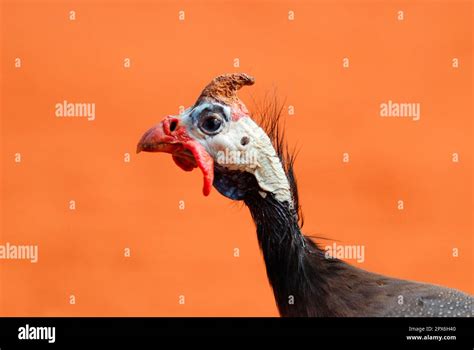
(304, 281)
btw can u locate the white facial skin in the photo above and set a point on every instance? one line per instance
(255, 154)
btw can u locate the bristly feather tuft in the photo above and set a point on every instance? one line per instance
(269, 115)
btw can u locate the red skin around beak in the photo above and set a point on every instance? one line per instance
(171, 137)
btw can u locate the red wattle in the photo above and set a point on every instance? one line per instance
(204, 162)
(183, 163)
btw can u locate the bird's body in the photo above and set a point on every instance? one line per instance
(305, 282)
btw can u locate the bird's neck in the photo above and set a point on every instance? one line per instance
(292, 261)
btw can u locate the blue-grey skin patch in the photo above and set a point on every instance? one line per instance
(233, 184)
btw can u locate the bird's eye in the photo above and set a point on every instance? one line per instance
(210, 124)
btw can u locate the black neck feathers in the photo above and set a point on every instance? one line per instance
(301, 278)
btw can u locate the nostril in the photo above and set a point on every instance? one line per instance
(173, 125)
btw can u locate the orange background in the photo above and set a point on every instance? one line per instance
(190, 252)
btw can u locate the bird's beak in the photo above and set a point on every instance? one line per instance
(159, 138)
(170, 136)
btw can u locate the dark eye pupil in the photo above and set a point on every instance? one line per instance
(211, 124)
